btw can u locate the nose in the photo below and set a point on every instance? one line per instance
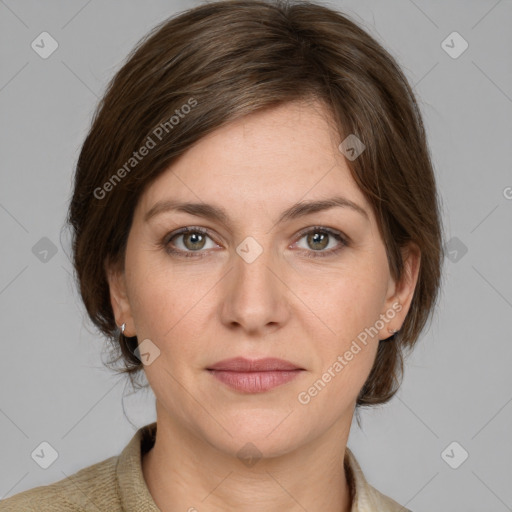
(255, 294)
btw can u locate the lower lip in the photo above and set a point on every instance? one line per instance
(255, 382)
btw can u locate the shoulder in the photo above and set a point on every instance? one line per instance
(384, 503)
(365, 497)
(91, 488)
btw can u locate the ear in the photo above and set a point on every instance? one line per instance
(399, 295)
(119, 298)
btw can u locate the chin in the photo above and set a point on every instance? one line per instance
(257, 433)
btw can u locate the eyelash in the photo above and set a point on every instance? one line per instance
(165, 243)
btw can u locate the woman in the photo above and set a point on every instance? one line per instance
(256, 226)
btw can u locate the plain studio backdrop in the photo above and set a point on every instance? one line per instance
(444, 441)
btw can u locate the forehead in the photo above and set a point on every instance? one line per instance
(269, 159)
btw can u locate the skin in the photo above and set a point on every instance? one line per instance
(198, 311)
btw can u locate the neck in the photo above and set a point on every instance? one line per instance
(185, 473)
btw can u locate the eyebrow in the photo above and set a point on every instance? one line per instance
(209, 211)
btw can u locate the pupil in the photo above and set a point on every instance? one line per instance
(318, 238)
(194, 238)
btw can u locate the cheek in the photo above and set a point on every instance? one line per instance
(345, 302)
(168, 304)
(349, 304)
(343, 357)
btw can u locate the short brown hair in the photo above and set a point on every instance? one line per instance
(225, 60)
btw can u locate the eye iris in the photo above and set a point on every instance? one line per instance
(195, 236)
(318, 239)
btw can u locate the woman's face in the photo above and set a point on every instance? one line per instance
(255, 283)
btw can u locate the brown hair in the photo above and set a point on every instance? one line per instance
(217, 62)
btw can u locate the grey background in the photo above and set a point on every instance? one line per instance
(458, 383)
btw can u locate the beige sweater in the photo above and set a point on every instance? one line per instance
(117, 484)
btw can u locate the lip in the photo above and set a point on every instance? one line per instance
(241, 364)
(254, 376)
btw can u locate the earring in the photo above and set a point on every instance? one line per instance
(392, 331)
(123, 327)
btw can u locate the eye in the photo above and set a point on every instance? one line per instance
(318, 238)
(190, 241)
(193, 240)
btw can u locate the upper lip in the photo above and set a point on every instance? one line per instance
(241, 364)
